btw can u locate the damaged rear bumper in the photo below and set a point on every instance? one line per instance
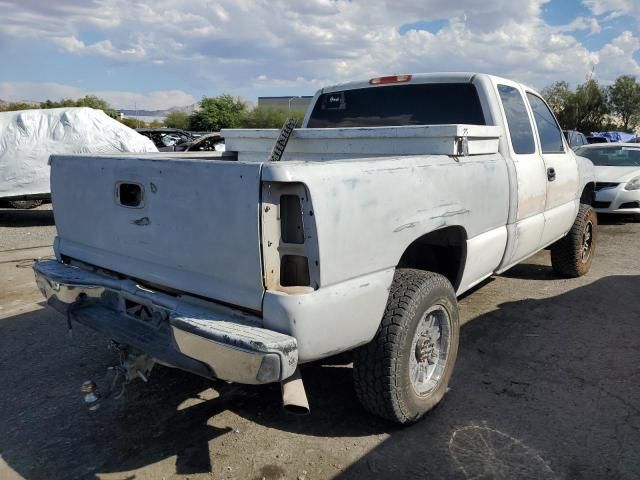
(201, 337)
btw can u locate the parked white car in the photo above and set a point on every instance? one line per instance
(397, 195)
(617, 167)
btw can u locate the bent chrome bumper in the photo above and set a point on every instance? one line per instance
(208, 339)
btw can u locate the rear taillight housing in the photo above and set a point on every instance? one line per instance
(289, 241)
(291, 224)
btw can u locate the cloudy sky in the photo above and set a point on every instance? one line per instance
(163, 53)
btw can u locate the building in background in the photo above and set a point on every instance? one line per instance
(297, 103)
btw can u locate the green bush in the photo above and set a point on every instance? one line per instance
(269, 117)
(177, 120)
(133, 122)
(216, 113)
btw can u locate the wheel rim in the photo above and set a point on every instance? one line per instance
(430, 349)
(587, 242)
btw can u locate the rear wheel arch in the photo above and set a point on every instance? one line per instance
(442, 251)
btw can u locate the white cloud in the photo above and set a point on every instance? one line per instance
(249, 46)
(38, 91)
(613, 8)
(581, 23)
(617, 57)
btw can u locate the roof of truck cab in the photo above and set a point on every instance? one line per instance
(444, 77)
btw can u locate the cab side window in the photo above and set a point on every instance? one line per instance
(520, 129)
(548, 129)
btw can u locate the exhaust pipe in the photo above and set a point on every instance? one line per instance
(294, 398)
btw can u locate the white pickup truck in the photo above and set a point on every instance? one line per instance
(397, 195)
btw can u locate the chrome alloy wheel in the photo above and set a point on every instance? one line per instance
(587, 242)
(429, 349)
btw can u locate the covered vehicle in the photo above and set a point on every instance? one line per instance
(28, 137)
(617, 167)
(614, 136)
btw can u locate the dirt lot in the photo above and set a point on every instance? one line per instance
(547, 385)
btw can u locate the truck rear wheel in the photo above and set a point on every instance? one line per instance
(571, 256)
(24, 204)
(404, 371)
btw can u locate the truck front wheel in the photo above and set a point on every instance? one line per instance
(571, 256)
(404, 371)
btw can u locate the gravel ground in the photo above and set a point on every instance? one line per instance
(26, 228)
(547, 385)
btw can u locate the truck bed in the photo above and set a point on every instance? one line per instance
(196, 226)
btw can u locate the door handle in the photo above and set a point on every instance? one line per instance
(551, 174)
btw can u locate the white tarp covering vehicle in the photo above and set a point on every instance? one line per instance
(28, 137)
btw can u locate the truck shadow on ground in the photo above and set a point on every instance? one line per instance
(531, 271)
(25, 218)
(543, 388)
(615, 219)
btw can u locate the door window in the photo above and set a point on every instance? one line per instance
(548, 129)
(520, 129)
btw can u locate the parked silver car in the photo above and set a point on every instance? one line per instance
(617, 168)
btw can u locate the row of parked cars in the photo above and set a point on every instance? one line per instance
(177, 140)
(617, 167)
(577, 139)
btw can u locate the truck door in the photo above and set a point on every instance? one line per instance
(561, 171)
(530, 175)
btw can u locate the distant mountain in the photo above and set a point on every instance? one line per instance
(159, 113)
(28, 102)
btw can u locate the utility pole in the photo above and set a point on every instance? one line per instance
(292, 98)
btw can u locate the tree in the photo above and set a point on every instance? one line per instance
(133, 122)
(177, 120)
(585, 109)
(262, 117)
(216, 113)
(13, 106)
(559, 97)
(591, 107)
(624, 96)
(90, 101)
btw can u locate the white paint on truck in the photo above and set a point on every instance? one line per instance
(309, 245)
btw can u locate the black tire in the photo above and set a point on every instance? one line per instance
(381, 368)
(24, 204)
(571, 256)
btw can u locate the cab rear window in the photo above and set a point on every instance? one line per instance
(397, 105)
